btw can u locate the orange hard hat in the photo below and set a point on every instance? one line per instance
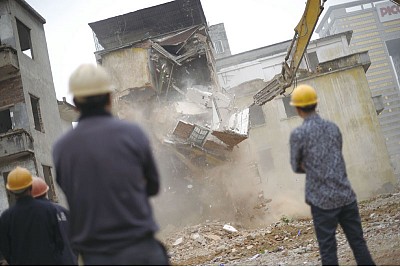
(19, 179)
(39, 187)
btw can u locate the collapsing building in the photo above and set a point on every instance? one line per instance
(162, 57)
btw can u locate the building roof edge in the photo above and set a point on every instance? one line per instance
(31, 10)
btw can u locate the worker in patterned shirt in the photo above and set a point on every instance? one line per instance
(316, 150)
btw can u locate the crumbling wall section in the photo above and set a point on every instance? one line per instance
(344, 98)
(6, 28)
(11, 91)
(129, 68)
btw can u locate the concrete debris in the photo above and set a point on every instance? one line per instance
(199, 97)
(254, 257)
(280, 244)
(229, 228)
(195, 236)
(178, 241)
(213, 237)
(188, 108)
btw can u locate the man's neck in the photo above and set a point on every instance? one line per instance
(305, 115)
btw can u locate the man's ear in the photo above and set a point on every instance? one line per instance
(76, 104)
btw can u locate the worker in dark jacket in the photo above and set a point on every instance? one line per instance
(39, 192)
(29, 232)
(3, 261)
(106, 169)
(316, 150)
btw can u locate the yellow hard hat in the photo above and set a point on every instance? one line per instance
(19, 179)
(89, 80)
(303, 95)
(39, 187)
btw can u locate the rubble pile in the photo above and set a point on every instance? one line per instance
(286, 242)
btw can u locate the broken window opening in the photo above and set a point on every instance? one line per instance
(257, 117)
(198, 135)
(5, 121)
(290, 110)
(48, 178)
(313, 60)
(24, 34)
(37, 116)
(192, 73)
(10, 197)
(219, 48)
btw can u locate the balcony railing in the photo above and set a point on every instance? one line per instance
(9, 65)
(15, 143)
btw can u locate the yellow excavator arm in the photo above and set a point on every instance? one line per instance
(302, 36)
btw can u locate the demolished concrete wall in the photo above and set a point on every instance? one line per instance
(129, 68)
(345, 99)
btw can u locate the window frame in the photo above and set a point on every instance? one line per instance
(37, 119)
(25, 41)
(216, 47)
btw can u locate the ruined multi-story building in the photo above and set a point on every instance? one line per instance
(162, 63)
(376, 29)
(158, 60)
(29, 114)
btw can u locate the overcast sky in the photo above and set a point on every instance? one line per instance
(249, 24)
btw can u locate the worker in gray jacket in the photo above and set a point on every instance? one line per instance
(316, 150)
(106, 169)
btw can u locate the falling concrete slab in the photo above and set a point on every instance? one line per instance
(189, 108)
(183, 130)
(229, 138)
(199, 97)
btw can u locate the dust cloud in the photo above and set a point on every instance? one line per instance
(230, 192)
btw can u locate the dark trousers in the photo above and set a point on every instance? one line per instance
(146, 252)
(325, 224)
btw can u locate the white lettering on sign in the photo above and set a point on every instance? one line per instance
(388, 11)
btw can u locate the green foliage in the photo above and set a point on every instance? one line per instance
(285, 219)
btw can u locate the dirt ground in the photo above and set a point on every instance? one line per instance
(287, 241)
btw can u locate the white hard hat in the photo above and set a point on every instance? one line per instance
(89, 80)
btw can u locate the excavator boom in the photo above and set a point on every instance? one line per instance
(302, 36)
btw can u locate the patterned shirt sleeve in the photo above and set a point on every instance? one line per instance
(296, 152)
